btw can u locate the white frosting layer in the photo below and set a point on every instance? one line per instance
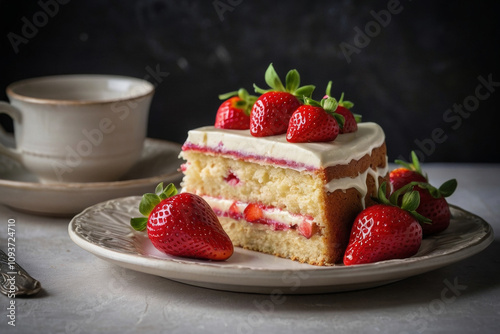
(359, 182)
(276, 150)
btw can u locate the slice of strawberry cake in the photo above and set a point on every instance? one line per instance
(292, 190)
(296, 201)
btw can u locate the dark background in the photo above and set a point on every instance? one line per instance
(406, 77)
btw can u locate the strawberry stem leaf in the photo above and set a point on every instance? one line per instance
(139, 223)
(340, 119)
(168, 191)
(413, 166)
(309, 101)
(381, 196)
(448, 188)
(159, 189)
(292, 80)
(149, 201)
(304, 91)
(345, 104)
(328, 88)
(226, 96)
(330, 104)
(411, 201)
(273, 80)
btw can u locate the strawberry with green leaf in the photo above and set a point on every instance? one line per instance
(408, 172)
(182, 225)
(234, 112)
(387, 230)
(433, 204)
(315, 122)
(343, 108)
(272, 110)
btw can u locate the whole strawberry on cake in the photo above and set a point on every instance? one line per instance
(279, 189)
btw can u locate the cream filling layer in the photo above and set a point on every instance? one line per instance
(235, 209)
(282, 219)
(276, 150)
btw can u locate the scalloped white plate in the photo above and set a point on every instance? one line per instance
(20, 190)
(104, 231)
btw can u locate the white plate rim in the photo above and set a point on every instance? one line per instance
(306, 279)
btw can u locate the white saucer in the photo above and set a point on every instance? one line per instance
(20, 190)
(104, 230)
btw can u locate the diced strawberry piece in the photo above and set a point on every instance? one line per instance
(232, 179)
(306, 229)
(234, 211)
(253, 212)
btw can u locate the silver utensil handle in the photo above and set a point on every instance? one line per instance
(14, 280)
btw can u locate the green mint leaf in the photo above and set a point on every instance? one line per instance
(139, 224)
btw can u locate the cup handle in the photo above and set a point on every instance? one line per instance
(14, 113)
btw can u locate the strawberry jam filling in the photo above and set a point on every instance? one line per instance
(276, 218)
(232, 179)
(247, 157)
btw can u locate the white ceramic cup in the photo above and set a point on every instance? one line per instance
(78, 128)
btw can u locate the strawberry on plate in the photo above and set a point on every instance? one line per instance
(386, 231)
(408, 172)
(433, 204)
(182, 225)
(272, 110)
(314, 122)
(234, 112)
(343, 108)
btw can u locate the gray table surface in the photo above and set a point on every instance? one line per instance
(84, 294)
